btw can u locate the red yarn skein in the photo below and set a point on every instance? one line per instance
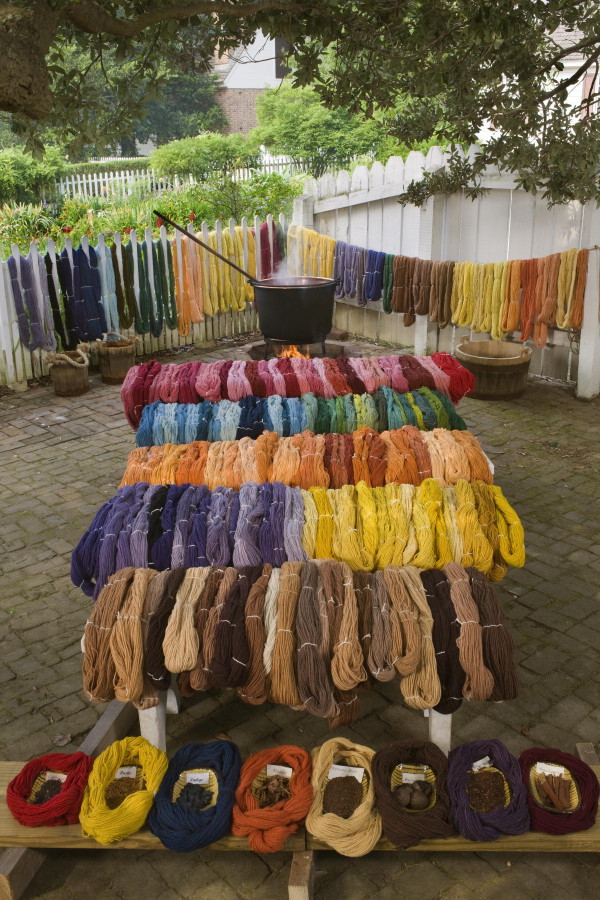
(589, 789)
(62, 809)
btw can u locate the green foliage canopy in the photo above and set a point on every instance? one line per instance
(461, 63)
(199, 156)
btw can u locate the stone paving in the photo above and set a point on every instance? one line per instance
(61, 458)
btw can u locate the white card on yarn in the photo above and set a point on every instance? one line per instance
(283, 771)
(56, 776)
(345, 771)
(197, 778)
(549, 769)
(126, 772)
(481, 764)
(411, 777)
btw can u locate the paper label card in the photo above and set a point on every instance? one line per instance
(126, 772)
(345, 771)
(283, 771)
(56, 776)
(197, 778)
(411, 777)
(549, 769)
(481, 764)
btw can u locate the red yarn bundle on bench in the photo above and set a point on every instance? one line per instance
(63, 808)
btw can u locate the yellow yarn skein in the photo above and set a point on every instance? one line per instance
(366, 523)
(430, 495)
(510, 530)
(108, 825)
(311, 519)
(476, 550)
(324, 531)
(386, 536)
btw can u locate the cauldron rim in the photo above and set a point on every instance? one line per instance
(293, 282)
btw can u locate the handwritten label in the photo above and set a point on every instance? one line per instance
(411, 777)
(548, 769)
(56, 776)
(197, 778)
(345, 771)
(283, 771)
(126, 772)
(480, 764)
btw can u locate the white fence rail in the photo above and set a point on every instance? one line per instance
(17, 364)
(126, 182)
(505, 223)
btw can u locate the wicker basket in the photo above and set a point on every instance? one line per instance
(69, 372)
(425, 773)
(500, 368)
(115, 358)
(540, 799)
(212, 785)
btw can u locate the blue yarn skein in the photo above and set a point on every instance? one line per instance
(184, 830)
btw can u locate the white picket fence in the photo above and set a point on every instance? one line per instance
(17, 364)
(505, 223)
(126, 182)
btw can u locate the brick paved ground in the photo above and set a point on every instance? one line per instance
(61, 458)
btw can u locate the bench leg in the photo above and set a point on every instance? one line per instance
(302, 875)
(440, 730)
(153, 723)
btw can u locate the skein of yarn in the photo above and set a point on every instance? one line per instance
(583, 816)
(105, 823)
(403, 826)
(70, 770)
(268, 828)
(357, 834)
(512, 817)
(181, 827)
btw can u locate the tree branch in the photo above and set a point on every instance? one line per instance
(91, 18)
(573, 79)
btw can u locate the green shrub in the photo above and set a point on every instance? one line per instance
(23, 223)
(22, 178)
(203, 155)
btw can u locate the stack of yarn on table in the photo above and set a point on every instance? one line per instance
(301, 567)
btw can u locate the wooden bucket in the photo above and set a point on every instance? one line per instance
(500, 368)
(115, 358)
(70, 376)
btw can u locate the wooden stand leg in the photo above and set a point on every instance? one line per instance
(440, 730)
(173, 697)
(153, 723)
(302, 875)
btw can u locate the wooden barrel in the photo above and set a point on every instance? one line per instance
(115, 358)
(68, 380)
(500, 368)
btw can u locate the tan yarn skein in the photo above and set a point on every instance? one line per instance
(202, 678)
(270, 619)
(126, 641)
(180, 643)
(197, 675)
(479, 681)
(479, 467)
(399, 584)
(98, 667)
(380, 659)
(437, 458)
(283, 680)
(421, 689)
(255, 691)
(333, 591)
(358, 834)
(347, 667)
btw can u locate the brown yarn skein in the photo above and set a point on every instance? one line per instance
(254, 690)
(98, 667)
(401, 827)
(156, 670)
(313, 678)
(195, 677)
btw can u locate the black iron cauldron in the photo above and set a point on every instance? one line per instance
(295, 309)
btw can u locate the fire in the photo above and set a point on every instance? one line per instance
(291, 351)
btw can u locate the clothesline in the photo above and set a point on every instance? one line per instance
(527, 296)
(79, 294)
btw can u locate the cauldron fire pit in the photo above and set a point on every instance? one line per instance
(295, 309)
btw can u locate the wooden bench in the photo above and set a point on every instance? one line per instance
(20, 863)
